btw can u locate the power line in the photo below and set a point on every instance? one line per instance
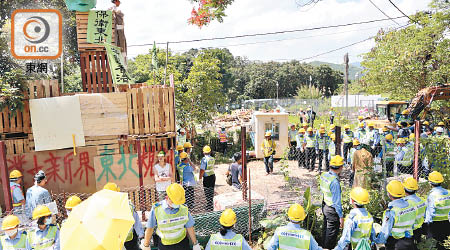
(400, 11)
(267, 33)
(383, 12)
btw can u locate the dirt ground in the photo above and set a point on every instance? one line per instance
(273, 187)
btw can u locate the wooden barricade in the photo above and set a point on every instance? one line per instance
(82, 24)
(128, 145)
(106, 145)
(43, 89)
(151, 110)
(17, 146)
(95, 73)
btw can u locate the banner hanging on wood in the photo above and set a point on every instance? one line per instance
(119, 72)
(99, 29)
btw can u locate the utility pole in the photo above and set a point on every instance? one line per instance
(346, 83)
(277, 94)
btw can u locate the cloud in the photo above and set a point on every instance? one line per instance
(166, 20)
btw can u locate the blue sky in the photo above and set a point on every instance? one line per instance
(166, 20)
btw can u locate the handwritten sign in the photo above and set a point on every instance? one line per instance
(99, 28)
(116, 62)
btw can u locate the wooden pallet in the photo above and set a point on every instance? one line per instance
(17, 146)
(148, 144)
(151, 110)
(43, 89)
(106, 145)
(82, 23)
(15, 122)
(95, 72)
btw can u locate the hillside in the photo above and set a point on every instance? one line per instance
(352, 69)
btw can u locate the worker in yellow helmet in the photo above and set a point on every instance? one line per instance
(292, 136)
(405, 117)
(404, 157)
(13, 238)
(358, 224)
(322, 143)
(46, 235)
(301, 153)
(173, 222)
(347, 139)
(438, 209)
(15, 181)
(186, 169)
(188, 147)
(72, 202)
(137, 231)
(330, 187)
(209, 177)
(178, 150)
(398, 220)
(305, 126)
(388, 149)
(223, 140)
(268, 147)
(226, 239)
(293, 236)
(310, 145)
(411, 187)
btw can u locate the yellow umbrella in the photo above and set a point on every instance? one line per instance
(101, 222)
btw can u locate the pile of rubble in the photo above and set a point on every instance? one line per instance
(237, 118)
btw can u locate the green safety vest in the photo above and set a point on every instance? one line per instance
(390, 149)
(290, 239)
(171, 228)
(217, 242)
(210, 161)
(130, 233)
(363, 137)
(371, 135)
(180, 171)
(408, 157)
(403, 221)
(20, 245)
(332, 148)
(364, 228)
(323, 142)
(347, 138)
(420, 206)
(325, 182)
(441, 206)
(45, 242)
(310, 141)
(300, 140)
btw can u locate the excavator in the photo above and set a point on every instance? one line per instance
(387, 112)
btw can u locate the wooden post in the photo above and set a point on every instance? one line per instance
(249, 208)
(244, 161)
(416, 149)
(4, 175)
(337, 134)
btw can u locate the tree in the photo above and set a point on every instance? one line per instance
(308, 92)
(207, 11)
(406, 60)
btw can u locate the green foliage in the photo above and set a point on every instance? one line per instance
(428, 244)
(284, 165)
(308, 92)
(437, 151)
(406, 60)
(12, 86)
(310, 222)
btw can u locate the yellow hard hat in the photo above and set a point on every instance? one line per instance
(72, 202)
(179, 147)
(268, 133)
(187, 145)
(355, 142)
(370, 124)
(10, 222)
(296, 212)
(331, 108)
(385, 129)
(405, 112)
(361, 125)
(330, 133)
(426, 123)
(412, 136)
(302, 130)
(410, 183)
(176, 193)
(15, 174)
(206, 149)
(389, 137)
(399, 123)
(183, 155)
(360, 195)
(360, 117)
(332, 126)
(435, 177)
(228, 218)
(395, 188)
(441, 124)
(304, 124)
(333, 137)
(309, 129)
(41, 211)
(400, 140)
(112, 186)
(337, 161)
(322, 131)
(322, 125)
(346, 126)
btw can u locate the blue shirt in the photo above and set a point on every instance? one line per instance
(300, 140)
(400, 154)
(138, 225)
(430, 212)
(17, 195)
(229, 235)
(274, 242)
(16, 240)
(177, 159)
(335, 188)
(36, 195)
(152, 223)
(188, 174)
(388, 221)
(376, 137)
(204, 165)
(42, 233)
(350, 226)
